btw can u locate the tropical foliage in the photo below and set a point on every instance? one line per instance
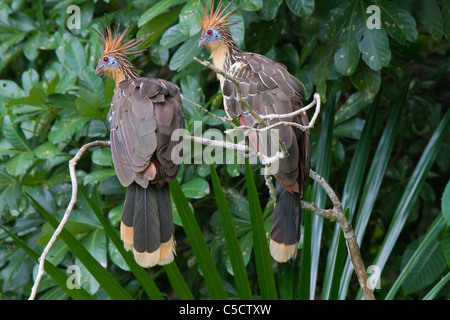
(382, 142)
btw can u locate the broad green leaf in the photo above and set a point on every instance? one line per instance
(196, 188)
(89, 105)
(366, 79)
(427, 268)
(335, 20)
(445, 203)
(104, 278)
(429, 14)
(92, 83)
(172, 37)
(398, 22)
(251, 5)
(157, 9)
(417, 261)
(301, 8)
(189, 24)
(270, 9)
(347, 54)
(65, 127)
(20, 163)
(57, 275)
(74, 56)
(350, 129)
(102, 157)
(372, 43)
(433, 292)
(185, 54)
(14, 135)
(98, 175)
(30, 79)
(354, 104)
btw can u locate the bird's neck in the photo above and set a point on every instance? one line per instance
(223, 51)
(126, 71)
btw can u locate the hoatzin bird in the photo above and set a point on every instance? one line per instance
(268, 88)
(144, 113)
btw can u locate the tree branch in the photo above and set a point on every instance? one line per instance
(73, 200)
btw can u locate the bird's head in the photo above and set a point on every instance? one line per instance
(114, 60)
(214, 23)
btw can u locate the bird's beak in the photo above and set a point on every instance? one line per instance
(99, 69)
(203, 41)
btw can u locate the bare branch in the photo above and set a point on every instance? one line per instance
(73, 200)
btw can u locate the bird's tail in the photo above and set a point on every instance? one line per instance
(285, 233)
(147, 225)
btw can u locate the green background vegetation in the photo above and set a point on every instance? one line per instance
(381, 141)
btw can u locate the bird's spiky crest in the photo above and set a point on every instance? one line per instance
(216, 18)
(113, 43)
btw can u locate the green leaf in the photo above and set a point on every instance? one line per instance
(88, 104)
(372, 43)
(251, 5)
(74, 56)
(102, 157)
(429, 14)
(445, 203)
(366, 79)
(347, 54)
(196, 188)
(189, 24)
(266, 279)
(429, 264)
(301, 8)
(435, 290)
(412, 190)
(64, 128)
(233, 249)
(270, 9)
(14, 135)
(398, 22)
(417, 262)
(177, 282)
(92, 83)
(20, 163)
(185, 54)
(198, 243)
(98, 175)
(104, 278)
(352, 106)
(156, 10)
(172, 37)
(30, 79)
(57, 275)
(305, 267)
(350, 129)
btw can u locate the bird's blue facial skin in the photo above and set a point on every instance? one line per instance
(209, 36)
(106, 62)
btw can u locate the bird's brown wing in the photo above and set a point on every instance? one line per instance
(144, 113)
(269, 89)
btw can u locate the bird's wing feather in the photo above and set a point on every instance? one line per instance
(269, 88)
(144, 113)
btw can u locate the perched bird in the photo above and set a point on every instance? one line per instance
(268, 88)
(144, 113)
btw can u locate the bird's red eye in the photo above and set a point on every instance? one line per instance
(105, 59)
(209, 32)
